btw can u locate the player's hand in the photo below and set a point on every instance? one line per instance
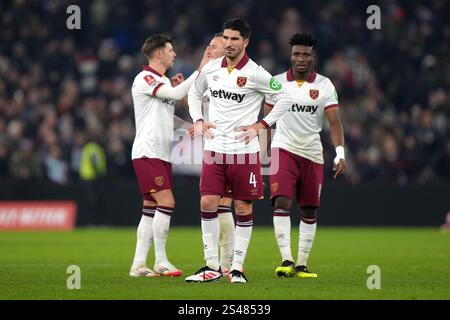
(177, 79)
(202, 128)
(248, 132)
(191, 132)
(205, 59)
(338, 167)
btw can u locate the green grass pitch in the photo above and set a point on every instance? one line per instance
(414, 264)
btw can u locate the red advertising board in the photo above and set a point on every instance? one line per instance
(37, 215)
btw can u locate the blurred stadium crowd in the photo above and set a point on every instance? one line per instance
(60, 88)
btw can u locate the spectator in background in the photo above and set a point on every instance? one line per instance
(92, 171)
(57, 169)
(78, 80)
(24, 163)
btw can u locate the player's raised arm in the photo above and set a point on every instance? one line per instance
(177, 93)
(182, 89)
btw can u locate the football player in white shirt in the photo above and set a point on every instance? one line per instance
(237, 86)
(154, 99)
(216, 50)
(298, 148)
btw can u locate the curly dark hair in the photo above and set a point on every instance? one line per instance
(303, 39)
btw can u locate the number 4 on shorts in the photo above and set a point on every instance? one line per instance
(252, 179)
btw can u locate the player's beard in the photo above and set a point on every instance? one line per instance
(233, 54)
(169, 64)
(307, 69)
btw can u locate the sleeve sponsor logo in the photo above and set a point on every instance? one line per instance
(149, 79)
(336, 96)
(275, 84)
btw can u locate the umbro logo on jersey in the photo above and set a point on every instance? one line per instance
(296, 108)
(222, 94)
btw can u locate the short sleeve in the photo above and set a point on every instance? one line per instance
(265, 83)
(150, 84)
(332, 97)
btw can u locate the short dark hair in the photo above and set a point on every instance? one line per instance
(240, 25)
(153, 43)
(218, 34)
(303, 39)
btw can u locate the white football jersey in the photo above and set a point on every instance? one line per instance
(235, 98)
(205, 105)
(298, 129)
(153, 116)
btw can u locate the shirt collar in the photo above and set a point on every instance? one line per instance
(240, 64)
(148, 68)
(290, 76)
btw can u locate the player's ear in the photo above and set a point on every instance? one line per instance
(246, 41)
(158, 53)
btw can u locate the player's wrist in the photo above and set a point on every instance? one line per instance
(340, 154)
(263, 125)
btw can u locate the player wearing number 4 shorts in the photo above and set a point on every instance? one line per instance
(237, 86)
(216, 50)
(298, 149)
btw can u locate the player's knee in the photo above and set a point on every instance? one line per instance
(167, 201)
(149, 203)
(243, 208)
(283, 203)
(225, 202)
(309, 212)
(209, 203)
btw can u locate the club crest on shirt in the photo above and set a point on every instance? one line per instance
(241, 81)
(274, 187)
(314, 93)
(159, 181)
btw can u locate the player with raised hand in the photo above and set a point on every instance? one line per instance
(154, 99)
(298, 147)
